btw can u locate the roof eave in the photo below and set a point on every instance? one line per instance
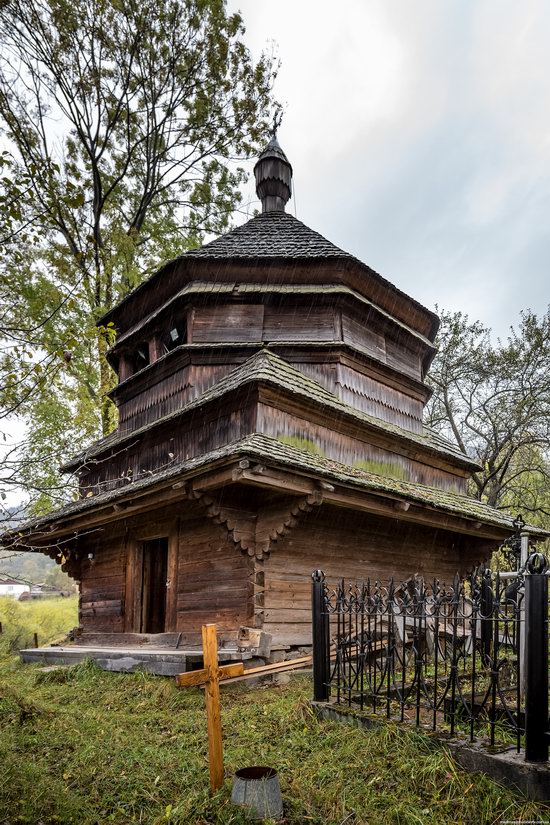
(339, 493)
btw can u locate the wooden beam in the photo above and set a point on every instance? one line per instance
(213, 714)
(195, 678)
(211, 481)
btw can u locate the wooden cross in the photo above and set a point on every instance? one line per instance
(210, 676)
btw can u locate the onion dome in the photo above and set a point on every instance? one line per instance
(273, 175)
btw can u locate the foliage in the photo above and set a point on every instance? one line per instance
(87, 746)
(124, 124)
(494, 400)
(50, 619)
(30, 567)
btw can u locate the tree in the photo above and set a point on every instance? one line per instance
(123, 124)
(494, 400)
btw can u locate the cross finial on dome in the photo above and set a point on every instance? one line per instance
(273, 174)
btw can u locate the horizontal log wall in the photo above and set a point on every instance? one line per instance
(102, 583)
(348, 545)
(305, 435)
(215, 579)
(381, 346)
(299, 324)
(228, 322)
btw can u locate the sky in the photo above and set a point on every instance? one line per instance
(419, 135)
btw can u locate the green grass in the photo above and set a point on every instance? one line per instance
(49, 618)
(84, 746)
(80, 745)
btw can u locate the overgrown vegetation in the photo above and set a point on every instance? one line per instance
(81, 745)
(50, 619)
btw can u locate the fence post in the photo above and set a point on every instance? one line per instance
(523, 556)
(536, 656)
(321, 638)
(486, 614)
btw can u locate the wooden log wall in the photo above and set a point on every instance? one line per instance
(211, 578)
(299, 323)
(169, 394)
(384, 348)
(215, 578)
(366, 394)
(140, 459)
(102, 583)
(306, 435)
(355, 547)
(254, 323)
(227, 322)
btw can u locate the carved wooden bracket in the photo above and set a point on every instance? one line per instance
(240, 526)
(256, 534)
(277, 523)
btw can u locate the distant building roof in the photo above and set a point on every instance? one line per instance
(11, 580)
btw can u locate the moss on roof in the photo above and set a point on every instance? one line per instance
(264, 366)
(271, 451)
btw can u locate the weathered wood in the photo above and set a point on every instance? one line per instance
(213, 713)
(271, 670)
(195, 678)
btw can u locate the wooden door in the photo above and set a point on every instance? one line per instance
(153, 586)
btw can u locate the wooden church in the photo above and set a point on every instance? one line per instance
(270, 397)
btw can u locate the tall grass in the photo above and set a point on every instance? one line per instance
(50, 619)
(83, 746)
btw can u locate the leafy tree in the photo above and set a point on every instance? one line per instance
(494, 400)
(123, 124)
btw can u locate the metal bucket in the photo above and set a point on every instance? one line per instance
(257, 789)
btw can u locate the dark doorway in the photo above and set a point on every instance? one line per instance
(153, 586)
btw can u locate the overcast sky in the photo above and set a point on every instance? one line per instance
(419, 134)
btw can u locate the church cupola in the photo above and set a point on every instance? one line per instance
(273, 175)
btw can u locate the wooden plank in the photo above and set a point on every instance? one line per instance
(269, 670)
(296, 615)
(171, 618)
(228, 323)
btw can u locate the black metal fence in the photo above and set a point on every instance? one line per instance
(468, 658)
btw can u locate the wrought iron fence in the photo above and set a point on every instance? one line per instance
(471, 657)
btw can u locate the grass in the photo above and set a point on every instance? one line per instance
(50, 619)
(79, 745)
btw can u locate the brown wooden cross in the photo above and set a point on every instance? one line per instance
(210, 676)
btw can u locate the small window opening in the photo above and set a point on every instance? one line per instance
(140, 357)
(177, 335)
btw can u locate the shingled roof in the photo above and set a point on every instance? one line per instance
(270, 369)
(273, 452)
(270, 235)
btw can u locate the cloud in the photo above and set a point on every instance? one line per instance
(420, 138)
